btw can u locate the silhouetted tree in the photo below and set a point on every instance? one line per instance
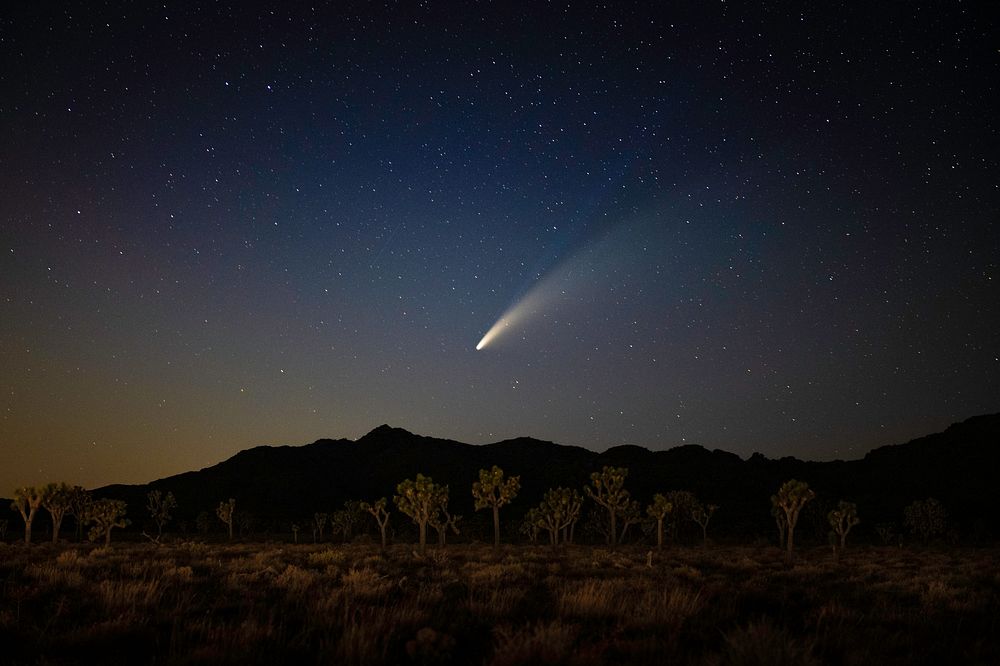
(79, 502)
(27, 499)
(106, 514)
(203, 522)
(295, 532)
(319, 525)
(381, 516)
(419, 499)
(574, 505)
(779, 520)
(681, 503)
(160, 506)
(559, 507)
(442, 521)
(842, 519)
(887, 533)
(631, 514)
(791, 497)
(57, 500)
(658, 511)
(701, 515)
(245, 522)
(493, 491)
(343, 521)
(925, 518)
(225, 512)
(608, 490)
(532, 525)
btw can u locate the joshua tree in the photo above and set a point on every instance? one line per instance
(225, 512)
(342, 521)
(79, 502)
(351, 516)
(842, 519)
(381, 515)
(203, 522)
(779, 519)
(245, 522)
(319, 524)
(492, 491)
(443, 521)
(295, 532)
(701, 515)
(658, 511)
(574, 504)
(887, 533)
(558, 513)
(791, 497)
(56, 499)
(681, 502)
(106, 514)
(532, 525)
(420, 500)
(160, 506)
(26, 502)
(925, 518)
(609, 491)
(631, 515)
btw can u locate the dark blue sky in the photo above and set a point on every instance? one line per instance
(756, 229)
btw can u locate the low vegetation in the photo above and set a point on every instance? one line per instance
(193, 603)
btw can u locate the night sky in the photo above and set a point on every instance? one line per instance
(750, 228)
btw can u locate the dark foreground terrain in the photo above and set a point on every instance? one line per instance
(192, 603)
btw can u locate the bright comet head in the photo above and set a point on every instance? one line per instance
(495, 330)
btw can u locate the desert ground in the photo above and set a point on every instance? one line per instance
(252, 603)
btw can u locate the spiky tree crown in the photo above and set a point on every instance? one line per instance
(27, 499)
(609, 487)
(106, 514)
(660, 507)
(225, 511)
(844, 517)
(419, 498)
(56, 496)
(793, 495)
(376, 509)
(492, 489)
(559, 507)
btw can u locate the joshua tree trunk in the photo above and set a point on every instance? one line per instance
(27, 533)
(107, 538)
(423, 538)
(382, 530)
(56, 526)
(496, 526)
(791, 545)
(614, 526)
(704, 535)
(659, 534)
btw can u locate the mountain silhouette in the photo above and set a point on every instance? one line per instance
(281, 484)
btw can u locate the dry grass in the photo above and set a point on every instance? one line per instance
(190, 603)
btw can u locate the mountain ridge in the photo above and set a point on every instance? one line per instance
(284, 482)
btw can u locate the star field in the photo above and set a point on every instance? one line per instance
(762, 228)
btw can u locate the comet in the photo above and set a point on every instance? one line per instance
(581, 279)
(539, 296)
(547, 295)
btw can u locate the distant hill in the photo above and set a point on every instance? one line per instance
(279, 484)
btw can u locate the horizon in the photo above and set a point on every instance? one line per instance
(743, 457)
